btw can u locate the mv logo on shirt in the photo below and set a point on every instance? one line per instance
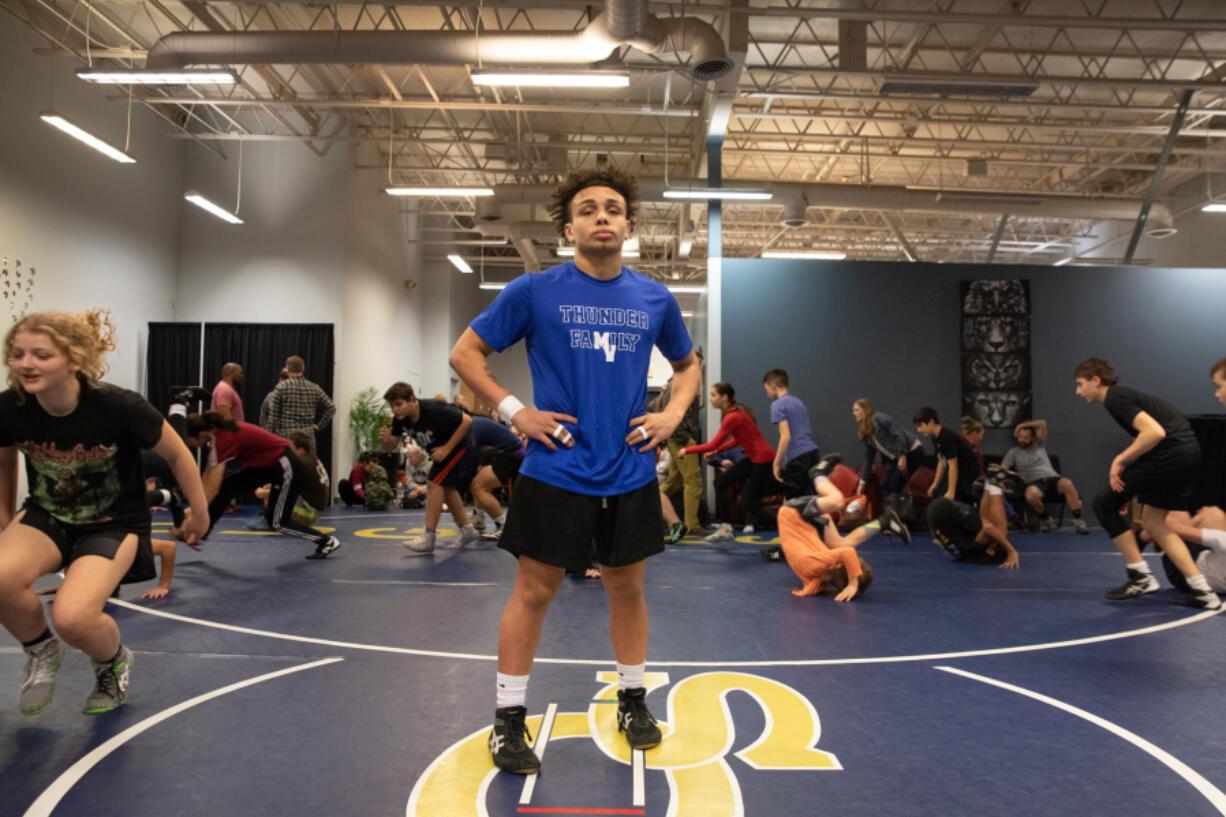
(602, 339)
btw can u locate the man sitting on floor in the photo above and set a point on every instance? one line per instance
(976, 536)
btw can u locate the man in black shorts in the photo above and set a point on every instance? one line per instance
(957, 465)
(589, 474)
(1043, 484)
(445, 433)
(1159, 468)
(505, 452)
(968, 533)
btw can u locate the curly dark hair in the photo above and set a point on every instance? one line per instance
(608, 176)
(1096, 367)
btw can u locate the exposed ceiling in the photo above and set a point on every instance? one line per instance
(983, 131)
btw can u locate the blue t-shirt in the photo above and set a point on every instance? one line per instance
(486, 432)
(791, 409)
(589, 347)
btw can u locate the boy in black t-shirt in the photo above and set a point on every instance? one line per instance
(957, 465)
(445, 432)
(1159, 468)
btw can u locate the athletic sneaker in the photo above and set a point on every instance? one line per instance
(422, 544)
(675, 531)
(510, 751)
(468, 536)
(824, 466)
(1138, 584)
(722, 533)
(1203, 601)
(634, 719)
(323, 549)
(38, 681)
(771, 554)
(478, 519)
(1081, 527)
(112, 688)
(891, 522)
(1049, 525)
(189, 394)
(494, 535)
(747, 529)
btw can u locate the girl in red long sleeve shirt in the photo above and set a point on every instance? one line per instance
(740, 428)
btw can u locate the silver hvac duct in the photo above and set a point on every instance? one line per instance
(622, 23)
(893, 199)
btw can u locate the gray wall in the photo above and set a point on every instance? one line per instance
(890, 332)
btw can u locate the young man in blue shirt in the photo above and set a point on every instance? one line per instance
(589, 474)
(797, 451)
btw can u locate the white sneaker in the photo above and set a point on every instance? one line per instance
(722, 533)
(478, 519)
(422, 544)
(747, 529)
(468, 536)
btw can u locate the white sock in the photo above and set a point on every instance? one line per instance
(1140, 567)
(630, 676)
(512, 690)
(177, 408)
(1213, 539)
(1197, 582)
(501, 519)
(164, 495)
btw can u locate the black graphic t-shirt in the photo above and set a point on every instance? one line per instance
(1124, 404)
(85, 468)
(435, 425)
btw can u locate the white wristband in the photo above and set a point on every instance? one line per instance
(509, 407)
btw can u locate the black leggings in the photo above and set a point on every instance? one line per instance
(279, 510)
(757, 477)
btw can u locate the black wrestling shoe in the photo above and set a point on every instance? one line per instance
(189, 394)
(1138, 584)
(508, 746)
(891, 522)
(1202, 601)
(825, 466)
(634, 719)
(324, 548)
(771, 554)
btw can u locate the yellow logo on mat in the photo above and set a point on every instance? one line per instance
(698, 735)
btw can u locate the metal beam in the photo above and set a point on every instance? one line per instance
(903, 243)
(1000, 230)
(1156, 181)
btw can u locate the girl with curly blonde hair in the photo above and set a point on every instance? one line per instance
(86, 512)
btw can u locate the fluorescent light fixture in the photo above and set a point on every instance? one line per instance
(1214, 207)
(557, 79)
(493, 285)
(686, 313)
(724, 193)
(459, 263)
(135, 77)
(1064, 261)
(686, 246)
(204, 204)
(825, 256)
(402, 190)
(569, 252)
(55, 120)
(690, 288)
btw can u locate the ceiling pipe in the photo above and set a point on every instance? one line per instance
(624, 22)
(895, 199)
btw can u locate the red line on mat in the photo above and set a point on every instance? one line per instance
(533, 810)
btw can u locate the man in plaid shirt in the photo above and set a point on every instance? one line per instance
(298, 404)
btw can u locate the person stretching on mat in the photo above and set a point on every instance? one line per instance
(973, 535)
(86, 512)
(264, 458)
(1159, 467)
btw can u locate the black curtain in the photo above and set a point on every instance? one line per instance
(172, 358)
(261, 349)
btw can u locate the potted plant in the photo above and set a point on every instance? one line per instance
(367, 414)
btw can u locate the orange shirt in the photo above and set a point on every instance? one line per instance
(808, 555)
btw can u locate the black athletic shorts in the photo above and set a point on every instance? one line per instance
(1048, 485)
(1164, 481)
(954, 526)
(505, 467)
(74, 541)
(456, 471)
(562, 528)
